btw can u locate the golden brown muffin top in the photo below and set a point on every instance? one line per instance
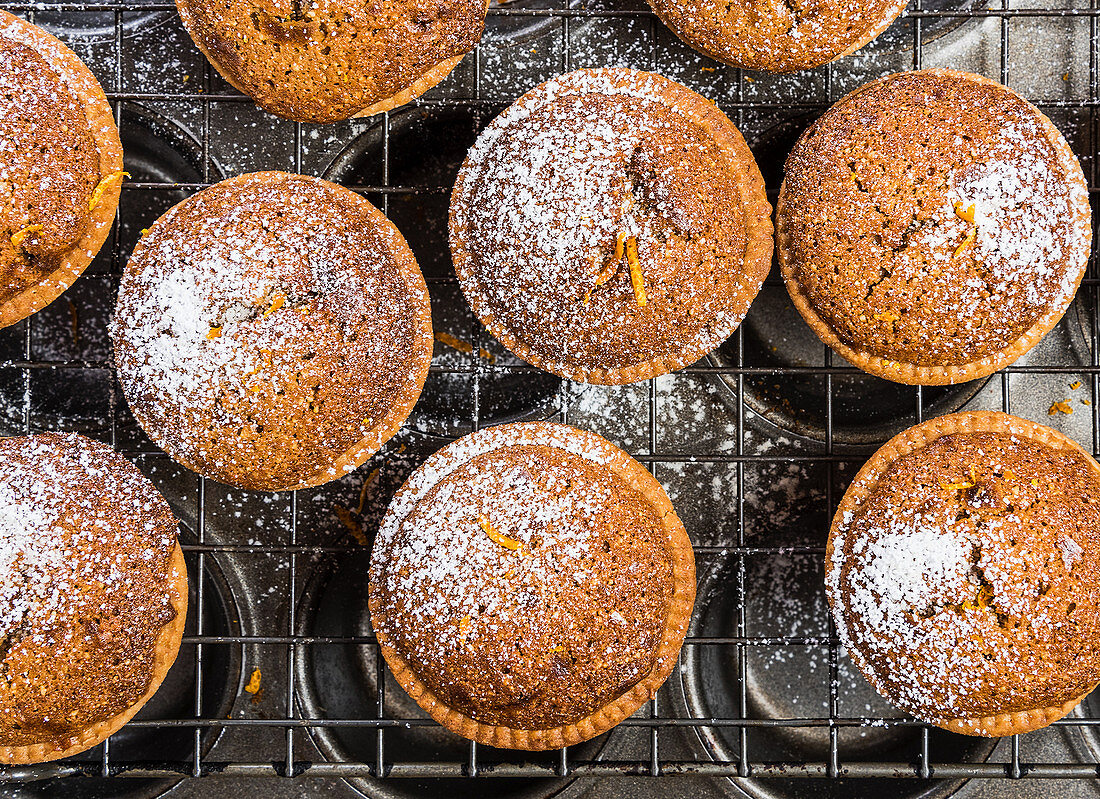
(49, 167)
(524, 581)
(85, 543)
(933, 217)
(777, 35)
(269, 325)
(561, 187)
(967, 583)
(326, 60)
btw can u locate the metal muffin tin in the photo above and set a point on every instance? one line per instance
(755, 445)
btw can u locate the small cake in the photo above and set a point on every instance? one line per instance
(777, 36)
(531, 586)
(327, 62)
(93, 594)
(932, 227)
(272, 331)
(60, 168)
(963, 571)
(610, 226)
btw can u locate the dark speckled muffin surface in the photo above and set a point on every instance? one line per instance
(525, 581)
(777, 35)
(964, 582)
(85, 551)
(610, 226)
(272, 331)
(327, 60)
(60, 168)
(932, 226)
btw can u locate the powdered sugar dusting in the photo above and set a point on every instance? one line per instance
(264, 306)
(545, 193)
(61, 545)
(433, 541)
(947, 593)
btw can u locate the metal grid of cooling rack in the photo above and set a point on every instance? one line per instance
(287, 750)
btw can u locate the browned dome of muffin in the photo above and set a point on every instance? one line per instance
(610, 226)
(57, 144)
(777, 35)
(272, 331)
(964, 575)
(86, 546)
(331, 60)
(933, 220)
(529, 583)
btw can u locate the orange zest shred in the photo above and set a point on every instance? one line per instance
(637, 280)
(965, 213)
(946, 486)
(1076, 384)
(214, 332)
(1060, 407)
(496, 536)
(888, 316)
(19, 236)
(464, 624)
(454, 343)
(101, 188)
(620, 246)
(367, 484)
(276, 304)
(354, 527)
(966, 242)
(253, 686)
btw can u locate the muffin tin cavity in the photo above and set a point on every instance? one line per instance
(789, 671)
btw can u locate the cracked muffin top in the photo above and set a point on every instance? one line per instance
(933, 226)
(964, 572)
(610, 226)
(327, 60)
(86, 546)
(777, 35)
(530, 576)
(272, 331)
(60, 168)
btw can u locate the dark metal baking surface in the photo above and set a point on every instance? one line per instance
(755, 445)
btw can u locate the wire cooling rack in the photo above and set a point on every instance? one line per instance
(279, 675)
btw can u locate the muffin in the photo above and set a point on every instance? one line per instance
(324, 62)
(610, 226)
(272, 331)
(777, 36)
(531, 585)
(60, 168)
(932, 227)
(93, 594)
(963, 572)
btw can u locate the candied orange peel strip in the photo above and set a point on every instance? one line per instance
(637, 280)
(1060, 407)
(966, 242)
(253, 686)
(609, 268)
(496, 536)
(1076, 384)
(887, 316)
(946, 486)
(964, 212)
(19, 236)
(214, 332)
(101, 188)
(276, 304)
